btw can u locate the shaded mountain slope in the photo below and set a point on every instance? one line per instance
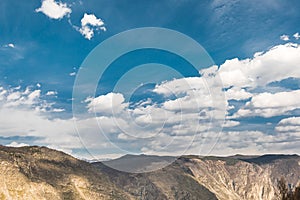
(172, 182)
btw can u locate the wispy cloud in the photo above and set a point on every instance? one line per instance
(72, 74)
(11, 45)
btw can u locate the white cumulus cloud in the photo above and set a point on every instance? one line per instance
(280, 62)
(50, 93)
(296, 36)
(53, 9)
(111, 103)
(284, 37)
(290, 125)
(237, 94)
(269, 105)
(90, 23)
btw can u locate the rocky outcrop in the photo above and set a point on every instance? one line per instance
(242, 178)
(240, 181)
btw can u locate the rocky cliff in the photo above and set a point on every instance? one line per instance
(42, 173)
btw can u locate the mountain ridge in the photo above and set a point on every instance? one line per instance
(42, 173)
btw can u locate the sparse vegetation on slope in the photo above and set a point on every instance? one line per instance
(42, 173)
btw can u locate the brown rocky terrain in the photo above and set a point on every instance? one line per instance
(42, 173)
(243, 178)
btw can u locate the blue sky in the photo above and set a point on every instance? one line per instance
(254, 44)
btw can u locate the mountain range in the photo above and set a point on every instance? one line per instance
(41, 173)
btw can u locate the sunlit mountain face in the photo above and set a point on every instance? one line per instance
(100, 80)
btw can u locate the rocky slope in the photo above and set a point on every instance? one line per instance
(172, 182)
(241, 177)
(42, 173)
